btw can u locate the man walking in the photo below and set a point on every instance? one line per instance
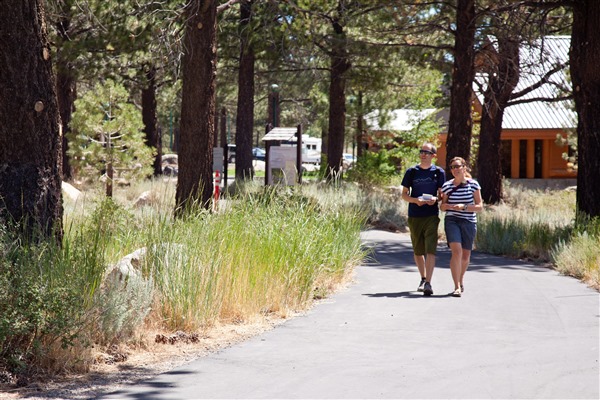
(421, 188)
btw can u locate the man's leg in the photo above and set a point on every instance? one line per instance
(416, 237)
(431, 238)
(420, 261)
(429, 266)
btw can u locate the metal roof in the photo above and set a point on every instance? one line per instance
(397, 120)
(536, 61)
(281, 134)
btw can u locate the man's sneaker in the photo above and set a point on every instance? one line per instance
(427, 291)
(421, 285)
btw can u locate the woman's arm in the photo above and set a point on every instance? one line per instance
(478, 206)
(444, 201)
(445, 206)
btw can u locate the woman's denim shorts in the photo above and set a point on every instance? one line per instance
(460, 230)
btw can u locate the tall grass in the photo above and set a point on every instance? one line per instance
(579, 258)
(501, 231)
(268, 251)
(540, 225)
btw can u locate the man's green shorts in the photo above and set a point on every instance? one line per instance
(424, 234)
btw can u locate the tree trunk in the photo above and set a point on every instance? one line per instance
(30, 141)
(194, 182)
(585, 75)
(223, 130)
(153, 137)
(337, 102)
(66, 94)
(245, 104)
(360, 127)
(502, 81)
(460, 124)
(65, 91)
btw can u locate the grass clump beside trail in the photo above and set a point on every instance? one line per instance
(269, 251)
(540, 225)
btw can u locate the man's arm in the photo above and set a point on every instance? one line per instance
(408, 198)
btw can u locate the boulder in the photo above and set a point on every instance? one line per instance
(144, 199)
(70, 191)
(170, 170)
(126, 267)
(170, 164)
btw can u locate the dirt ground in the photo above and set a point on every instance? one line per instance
(124, 366)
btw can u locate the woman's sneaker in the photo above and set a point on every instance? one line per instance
(421, 285)
(427, 290)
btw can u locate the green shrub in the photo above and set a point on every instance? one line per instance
(37, 307)
(518, 237)
(373, 169)
(496, 235)
(121, 305)
(49, 297)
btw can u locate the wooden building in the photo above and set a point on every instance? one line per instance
(530, 126)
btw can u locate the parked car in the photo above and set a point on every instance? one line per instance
(348, 160)
(311, 157)
(258, 153)
(231, 153)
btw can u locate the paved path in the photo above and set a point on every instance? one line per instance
(519, 331)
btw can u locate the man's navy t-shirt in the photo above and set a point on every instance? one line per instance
(420, 181)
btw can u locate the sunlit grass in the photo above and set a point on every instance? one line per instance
(540, 225)
(527, 224)
(269, 250)
(267, 253)
(579, 257)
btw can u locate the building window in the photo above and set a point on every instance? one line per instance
(505, 157)
(522, 159)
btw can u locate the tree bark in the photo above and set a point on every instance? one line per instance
(153, 137)
(245, 104)
(66, 85)
(502, 80)
(360, 127)
(340, 65)
(585, 75)
(460, 123)
(66, 93)
(30, 137)
(195, 145)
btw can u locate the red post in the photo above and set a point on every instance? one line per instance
(217, 186)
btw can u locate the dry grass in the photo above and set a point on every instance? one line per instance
(265, 257)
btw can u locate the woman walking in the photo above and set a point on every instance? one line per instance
(461, 200)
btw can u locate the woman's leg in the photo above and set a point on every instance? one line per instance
(468, 233)
(464, 262)
(456, 263)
